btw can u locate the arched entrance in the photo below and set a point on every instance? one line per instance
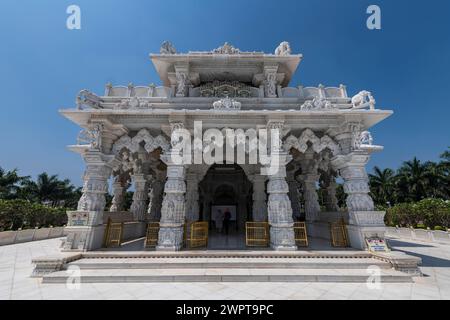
(225, 191)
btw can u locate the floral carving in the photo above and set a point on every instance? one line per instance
(317, 104)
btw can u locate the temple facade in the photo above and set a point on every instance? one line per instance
(226, 131)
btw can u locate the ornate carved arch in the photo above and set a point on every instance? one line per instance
(133, 144)
(308, 136)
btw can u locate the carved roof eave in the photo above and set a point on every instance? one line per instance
(85, 118)
(213, 62)
(368, 118)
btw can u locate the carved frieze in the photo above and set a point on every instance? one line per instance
(226, 104)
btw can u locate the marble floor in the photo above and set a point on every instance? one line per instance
(15, 281)
(235, 240)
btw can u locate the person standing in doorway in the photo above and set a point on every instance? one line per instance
(226, 220)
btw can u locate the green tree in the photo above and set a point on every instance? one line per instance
(49, 190)
(411, 181)
(382, 185)
(10, 182)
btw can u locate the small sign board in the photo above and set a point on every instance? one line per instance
(377, 245)
(78, 219)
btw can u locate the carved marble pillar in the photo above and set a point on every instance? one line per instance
(192, 207)
(139, 205)
(259, 198)
(85, 226)
(155, 203)
(279, 206)
(363, 221)
(173, 206)
(309, 179)
(329, 185)
(119, 188)
(293, 193)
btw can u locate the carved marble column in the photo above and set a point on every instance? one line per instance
(119, 188)
(293, 193)
(309, 179)
(139, 205)
(192, 207)
(155, 203)
(363, 220)
(279, 207)
(259, 198)
(85, 226)
(173, 206)
(356, 182)
(329, 185)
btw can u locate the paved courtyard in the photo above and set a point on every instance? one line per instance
(15, 281)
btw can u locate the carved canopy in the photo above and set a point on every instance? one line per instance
(143, 136)
(317, 144)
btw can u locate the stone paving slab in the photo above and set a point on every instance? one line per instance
(434, 285)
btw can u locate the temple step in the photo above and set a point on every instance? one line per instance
(226, 275)
(227, 263)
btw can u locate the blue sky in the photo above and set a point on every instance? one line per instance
(43, 65)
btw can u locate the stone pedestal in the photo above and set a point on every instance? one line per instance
(173, 207)
(279, 206)
(85, 227)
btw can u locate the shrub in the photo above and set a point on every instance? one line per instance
(15, 214)
(427, 213)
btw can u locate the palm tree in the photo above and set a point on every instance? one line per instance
(382, 185)
(10, 183)
(437, 180)
(49, 189)
(411, 181)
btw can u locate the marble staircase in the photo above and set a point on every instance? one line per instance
(217, 266)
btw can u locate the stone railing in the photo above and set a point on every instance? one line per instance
(419, 234)
(314, 92)
(27, 235)
(138, 91)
